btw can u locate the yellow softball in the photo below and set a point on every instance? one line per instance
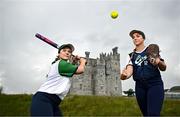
(114, 14)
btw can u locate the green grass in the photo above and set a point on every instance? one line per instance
(14, 104)
(19, 105)
(171, 107)
(99, 106)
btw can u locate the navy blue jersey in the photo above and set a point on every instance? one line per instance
(142, 68)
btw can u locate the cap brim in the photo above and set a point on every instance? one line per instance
(132, 32)
(67, 45)
(135, 31)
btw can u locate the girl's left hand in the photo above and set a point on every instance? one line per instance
(155, 61)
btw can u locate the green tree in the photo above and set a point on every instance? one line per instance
(129, 92)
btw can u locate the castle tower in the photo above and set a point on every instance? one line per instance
(100, 81)
(87, 54)
(114, 85)
(112, 71)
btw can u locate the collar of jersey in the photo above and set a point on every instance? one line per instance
(141, 50)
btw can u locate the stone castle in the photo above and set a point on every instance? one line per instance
(101, 76)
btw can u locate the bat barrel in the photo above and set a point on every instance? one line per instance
(39, 36)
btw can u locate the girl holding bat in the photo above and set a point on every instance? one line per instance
(46, 100)
(149, 88)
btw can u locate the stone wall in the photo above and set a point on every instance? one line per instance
(101, 76)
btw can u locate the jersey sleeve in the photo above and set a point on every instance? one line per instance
(66, 69)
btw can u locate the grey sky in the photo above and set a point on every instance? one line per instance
(24, 60)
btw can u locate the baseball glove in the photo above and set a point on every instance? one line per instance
(152, 53)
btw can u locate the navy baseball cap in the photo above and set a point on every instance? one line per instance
(66, 45)
(137, 31)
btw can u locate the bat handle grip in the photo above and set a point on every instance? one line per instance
(77, 60)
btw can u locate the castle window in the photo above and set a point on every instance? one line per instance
(115, 88)
(81, 86)
(101, 87)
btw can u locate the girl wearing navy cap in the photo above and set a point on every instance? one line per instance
(149, 88)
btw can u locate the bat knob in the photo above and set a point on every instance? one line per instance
(37, 35)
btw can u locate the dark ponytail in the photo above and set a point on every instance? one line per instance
(56, 59)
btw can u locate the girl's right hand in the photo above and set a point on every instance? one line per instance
(124, 74)
(127, 72)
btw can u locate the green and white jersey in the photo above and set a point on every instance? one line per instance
(58, 81)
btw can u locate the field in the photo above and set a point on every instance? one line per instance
(19, 105)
